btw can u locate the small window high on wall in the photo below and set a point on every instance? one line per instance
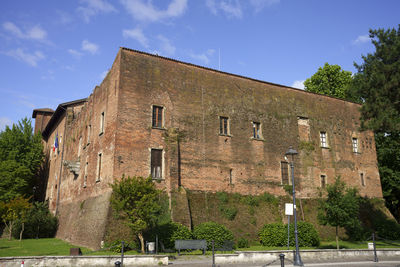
(355, 145)
(285, 172)
(157, 119)
(224, 125)
(156, 163)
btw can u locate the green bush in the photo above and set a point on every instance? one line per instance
(169, 232)
(223, 197)
(228, 212)
(116, 246)
(243, 243)
(40, 223)
(275, 235)
(213, 231)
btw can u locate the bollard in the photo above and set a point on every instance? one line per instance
(117, 264)
(213, 255)
(282, 258)
(122, 253)
(373, 240)
(22, 264)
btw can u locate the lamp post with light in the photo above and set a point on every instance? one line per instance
(297, 259)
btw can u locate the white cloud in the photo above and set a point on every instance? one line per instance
(235, 8)
(137, 35)
(298, 84)
(35, 33)
(258, 5)
(29, 58)
(145, 11)
(231, 8)
(3, 122)
(94, 7)
(90, 47)
(362, 39)
(75, 53)
(166, 45)
(203, 57)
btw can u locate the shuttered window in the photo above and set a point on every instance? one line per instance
(156, 163)
(157, 116)
(285, 172)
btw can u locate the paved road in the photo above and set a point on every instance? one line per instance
(207, 261)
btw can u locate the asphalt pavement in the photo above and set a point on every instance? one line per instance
(199, 261)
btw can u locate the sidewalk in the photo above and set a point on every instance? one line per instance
(197, 261)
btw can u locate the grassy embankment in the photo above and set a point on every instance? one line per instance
(56, 247)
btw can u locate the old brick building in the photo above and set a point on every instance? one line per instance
(199, 128)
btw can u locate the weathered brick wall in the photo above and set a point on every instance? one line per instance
(193, 99)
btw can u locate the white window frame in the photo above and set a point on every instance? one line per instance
(257, 130)
(221, 126)
(102, 122)
(323, 139)
(99, 166)
(355, 145)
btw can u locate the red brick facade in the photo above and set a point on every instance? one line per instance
(207, 130)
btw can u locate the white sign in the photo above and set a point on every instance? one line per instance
(288, 209)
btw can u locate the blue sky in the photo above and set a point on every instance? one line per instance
(57, 51)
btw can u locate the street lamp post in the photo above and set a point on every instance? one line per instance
(297, 259)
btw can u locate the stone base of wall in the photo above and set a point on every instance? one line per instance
(326, 255)
(78, 261)
(83, 222)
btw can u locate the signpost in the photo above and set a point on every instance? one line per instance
(288, 212)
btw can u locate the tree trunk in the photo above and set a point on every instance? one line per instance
(140, 235)
(337, 238)
(22, 230)
(10, 226)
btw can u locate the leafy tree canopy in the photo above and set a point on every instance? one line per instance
(377, 83)
(341, 207)
(329, 80)
(21, 155)
(136, 200)
(377, 86)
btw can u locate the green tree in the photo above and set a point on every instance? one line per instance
(341, 207)
(377, 86)
(14, 210)
(330, 80)
(21, 156)
(136, 200)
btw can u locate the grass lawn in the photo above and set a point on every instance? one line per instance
(332, 245)
(57, 247)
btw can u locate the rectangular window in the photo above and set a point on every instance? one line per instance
(223, 125)
(323, 181)
(285, 172)
(156, 163)
(355, 145)
(362, 179)
(157, 117)
(85, 175)
(99, 167)
(80, 145)
(230, 176)
(102, 123)
(256, 130)
(322, 136)
(89, 129)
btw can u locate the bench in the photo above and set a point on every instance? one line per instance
(190, 244)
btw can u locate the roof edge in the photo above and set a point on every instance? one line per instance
(234, 75)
